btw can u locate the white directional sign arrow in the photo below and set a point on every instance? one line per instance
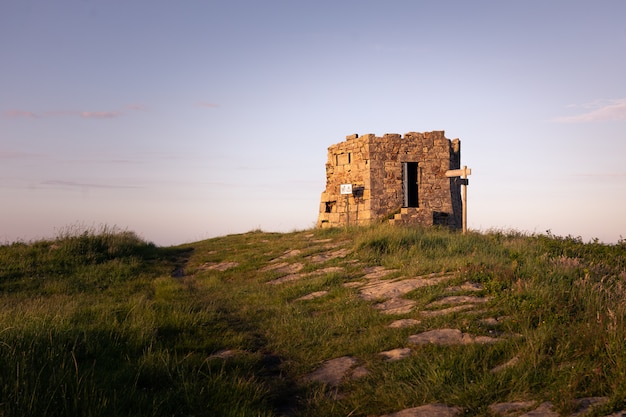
(463, 173)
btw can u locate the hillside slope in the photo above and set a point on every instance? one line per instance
(365, 321)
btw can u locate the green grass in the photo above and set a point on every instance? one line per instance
(96, 323)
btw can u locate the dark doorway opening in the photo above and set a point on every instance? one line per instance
(410, 175)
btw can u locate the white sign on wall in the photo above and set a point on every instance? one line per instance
(345, 189)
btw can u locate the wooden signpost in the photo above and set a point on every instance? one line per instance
(464, 181)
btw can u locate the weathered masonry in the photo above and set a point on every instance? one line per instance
(400, 178)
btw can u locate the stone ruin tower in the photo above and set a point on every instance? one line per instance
(392, 177)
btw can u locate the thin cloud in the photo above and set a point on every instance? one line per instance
(18, 155)
(102, 161)
(604, 174)
(26, 114)
(100, 114)
(598, 111)
(207, 105)
(20, 114)
(73, 184)
(136, 107)
(601, 175)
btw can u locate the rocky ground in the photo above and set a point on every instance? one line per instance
(388, 295)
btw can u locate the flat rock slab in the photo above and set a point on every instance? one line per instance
(396, 354)
(284, 267)
(446, 337)
(289, 254)
(333, 371)
(511, 407)
(328, 270)
(404, 323)
(273, 266)
(544, 410)
(397, 287)
(445, 311)
(459, 299)
(467, 286)
(429, 410)
(295, 277)
(327, 256)
(396, 306)
(286, 278)
(222, 266)
(359, 372)
(585, 405)
(375, 272)
(313, 295)
(394, 289)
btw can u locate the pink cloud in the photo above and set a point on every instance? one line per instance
(18, 155)
(18, 114)
(137, 107)
(207, 105)
(100, 114)
(59, 183)
(602, 111)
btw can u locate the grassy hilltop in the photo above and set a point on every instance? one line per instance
(102, 323)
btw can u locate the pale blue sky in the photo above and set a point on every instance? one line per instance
(183, 120)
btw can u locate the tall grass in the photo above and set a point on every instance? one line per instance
(87, 329)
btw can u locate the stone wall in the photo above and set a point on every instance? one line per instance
(377, 166)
